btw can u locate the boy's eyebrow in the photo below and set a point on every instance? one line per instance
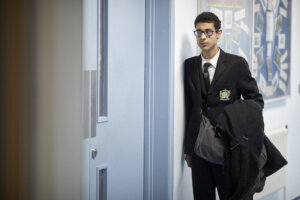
(208, 29)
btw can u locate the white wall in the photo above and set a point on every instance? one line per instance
(286, 112)
(66, 99)
(58, 138)
(276, 114)
(185, 46)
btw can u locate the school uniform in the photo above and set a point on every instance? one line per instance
(231, 80)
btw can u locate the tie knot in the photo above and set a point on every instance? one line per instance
(206, 66)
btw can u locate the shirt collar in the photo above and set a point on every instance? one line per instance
(212, 61)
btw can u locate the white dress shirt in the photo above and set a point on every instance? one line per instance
(213, 66)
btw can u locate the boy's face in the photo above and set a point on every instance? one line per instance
(208, 43)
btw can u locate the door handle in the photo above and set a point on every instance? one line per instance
(94, 153)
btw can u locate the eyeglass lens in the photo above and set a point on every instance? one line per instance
(207, 33)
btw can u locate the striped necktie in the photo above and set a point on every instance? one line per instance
(206, 76)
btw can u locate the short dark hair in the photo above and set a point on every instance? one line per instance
(208, 17)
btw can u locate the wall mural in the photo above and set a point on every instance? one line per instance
(259, 31)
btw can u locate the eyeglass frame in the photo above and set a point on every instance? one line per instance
(207, 32)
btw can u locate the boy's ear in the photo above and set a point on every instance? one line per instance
(219, 33)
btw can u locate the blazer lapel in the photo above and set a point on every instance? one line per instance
(220, 68)
(199, 73)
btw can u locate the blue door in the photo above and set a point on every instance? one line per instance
(113, 96)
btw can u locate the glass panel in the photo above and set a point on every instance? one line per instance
(102, 61)
(102, 183)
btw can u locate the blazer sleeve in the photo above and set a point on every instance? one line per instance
(188, 138)
(187, 93)
(247, 85)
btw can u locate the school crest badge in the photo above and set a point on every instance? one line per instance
(225, 95)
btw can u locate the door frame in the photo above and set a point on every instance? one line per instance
(159, 100)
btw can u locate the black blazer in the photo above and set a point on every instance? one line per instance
(232, 80)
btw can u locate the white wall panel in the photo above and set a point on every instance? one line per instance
(185, 47)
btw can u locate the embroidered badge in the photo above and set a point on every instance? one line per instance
(225, 95)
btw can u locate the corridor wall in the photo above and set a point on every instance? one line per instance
(277, 114)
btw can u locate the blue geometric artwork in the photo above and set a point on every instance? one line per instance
(271, 47)
(259, 31)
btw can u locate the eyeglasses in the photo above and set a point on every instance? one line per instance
(207, 32)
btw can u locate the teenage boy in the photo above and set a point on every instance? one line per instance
(212, 80)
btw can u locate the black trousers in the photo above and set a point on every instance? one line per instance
(206, 178)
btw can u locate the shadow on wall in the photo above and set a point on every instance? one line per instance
(36, 162)
(187, 49)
